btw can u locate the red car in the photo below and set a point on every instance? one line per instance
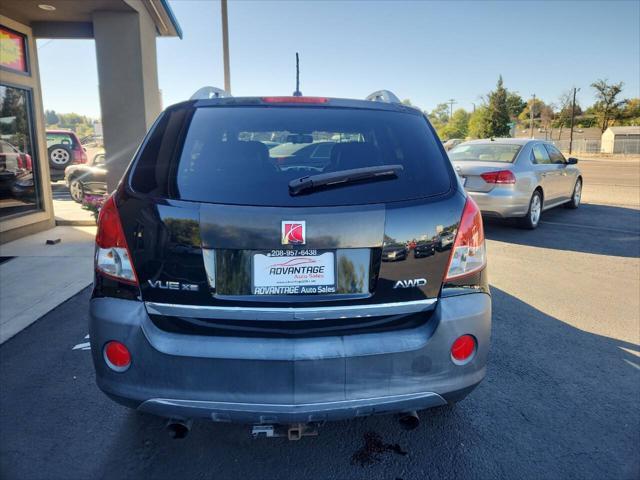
(15, 171)
(64, 149)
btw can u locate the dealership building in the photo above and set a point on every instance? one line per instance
(125, 34)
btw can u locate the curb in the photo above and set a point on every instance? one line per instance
(75, 223)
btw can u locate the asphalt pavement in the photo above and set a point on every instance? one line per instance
(561, 398)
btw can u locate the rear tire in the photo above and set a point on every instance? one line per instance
(576, 196)
(60, 157)
(531, 220)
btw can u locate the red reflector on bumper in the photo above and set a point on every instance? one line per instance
(463, 348)
(117, 356)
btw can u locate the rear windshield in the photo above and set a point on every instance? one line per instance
(60, 138)
(248, 156)
(494, 152)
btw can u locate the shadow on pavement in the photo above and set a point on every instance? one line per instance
(557, 402)
(597, 229)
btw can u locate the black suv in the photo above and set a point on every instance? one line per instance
(237, 282)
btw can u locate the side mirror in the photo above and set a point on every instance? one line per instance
(572, 161)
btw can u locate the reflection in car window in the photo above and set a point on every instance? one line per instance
(59, 138)
(554, 154)
(540, 155)
(224, 160)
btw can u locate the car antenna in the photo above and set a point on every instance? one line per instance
(297, 93)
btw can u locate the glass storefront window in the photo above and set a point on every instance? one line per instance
(19, 190)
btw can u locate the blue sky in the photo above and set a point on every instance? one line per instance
(425, 51)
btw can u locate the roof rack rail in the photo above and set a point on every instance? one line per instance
(383, 96)
(206, 93)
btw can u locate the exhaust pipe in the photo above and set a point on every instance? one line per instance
(178, 429)
(409, 420)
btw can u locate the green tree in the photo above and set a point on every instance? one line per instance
(458, 126)
(515, 104)
(439, 117)
(607, 107)
(15, 125)
(498, 111)
(542, 114)
(440, 114)
(479, 123)
(562, 118)
(51, 118)
(631, 112)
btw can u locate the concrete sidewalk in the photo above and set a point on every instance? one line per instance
(35, 277)
(66, 210)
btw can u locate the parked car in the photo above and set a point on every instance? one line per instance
(16, 171)
(424, 248)
(394, 252)
(452, 142)
(311, 154)
(63, 149)
(230, 289)
(87, 179)
(517, 178)
(445, 240)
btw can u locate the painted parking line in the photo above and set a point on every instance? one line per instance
(591, 227)
(83, 345)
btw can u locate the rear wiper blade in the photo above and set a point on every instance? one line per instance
(353, 175)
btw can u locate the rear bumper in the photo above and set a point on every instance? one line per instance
(289, 380)
(502, 202)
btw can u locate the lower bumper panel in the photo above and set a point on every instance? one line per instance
(303, 413)
(279, 380)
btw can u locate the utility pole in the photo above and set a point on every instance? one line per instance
(225, 46)
(533, 105)
(451, 102)
(474, 107)
(573, 114)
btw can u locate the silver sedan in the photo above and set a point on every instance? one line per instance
(514, 177)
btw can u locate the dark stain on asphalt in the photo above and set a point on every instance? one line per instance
(373, 449)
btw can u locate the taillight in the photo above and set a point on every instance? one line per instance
(501, 176)
(28, 161)
(112, 253)
(469, 253)
(295, 99)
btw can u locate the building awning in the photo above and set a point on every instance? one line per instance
(73, 19)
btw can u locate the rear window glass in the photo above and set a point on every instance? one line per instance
(60, 138)
(248, 156)
(494, 152)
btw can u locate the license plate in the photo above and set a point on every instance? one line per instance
(292, 273)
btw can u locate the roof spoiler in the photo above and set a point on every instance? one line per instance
(205, 93)
(383, 96)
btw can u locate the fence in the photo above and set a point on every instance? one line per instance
(626, 146)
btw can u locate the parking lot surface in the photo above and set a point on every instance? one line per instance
(561, 397)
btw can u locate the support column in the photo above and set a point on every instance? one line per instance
(128, 77)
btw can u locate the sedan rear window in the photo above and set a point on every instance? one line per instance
(484, 152)
(248, 156)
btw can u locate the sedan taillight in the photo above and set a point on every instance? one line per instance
(501, 176)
